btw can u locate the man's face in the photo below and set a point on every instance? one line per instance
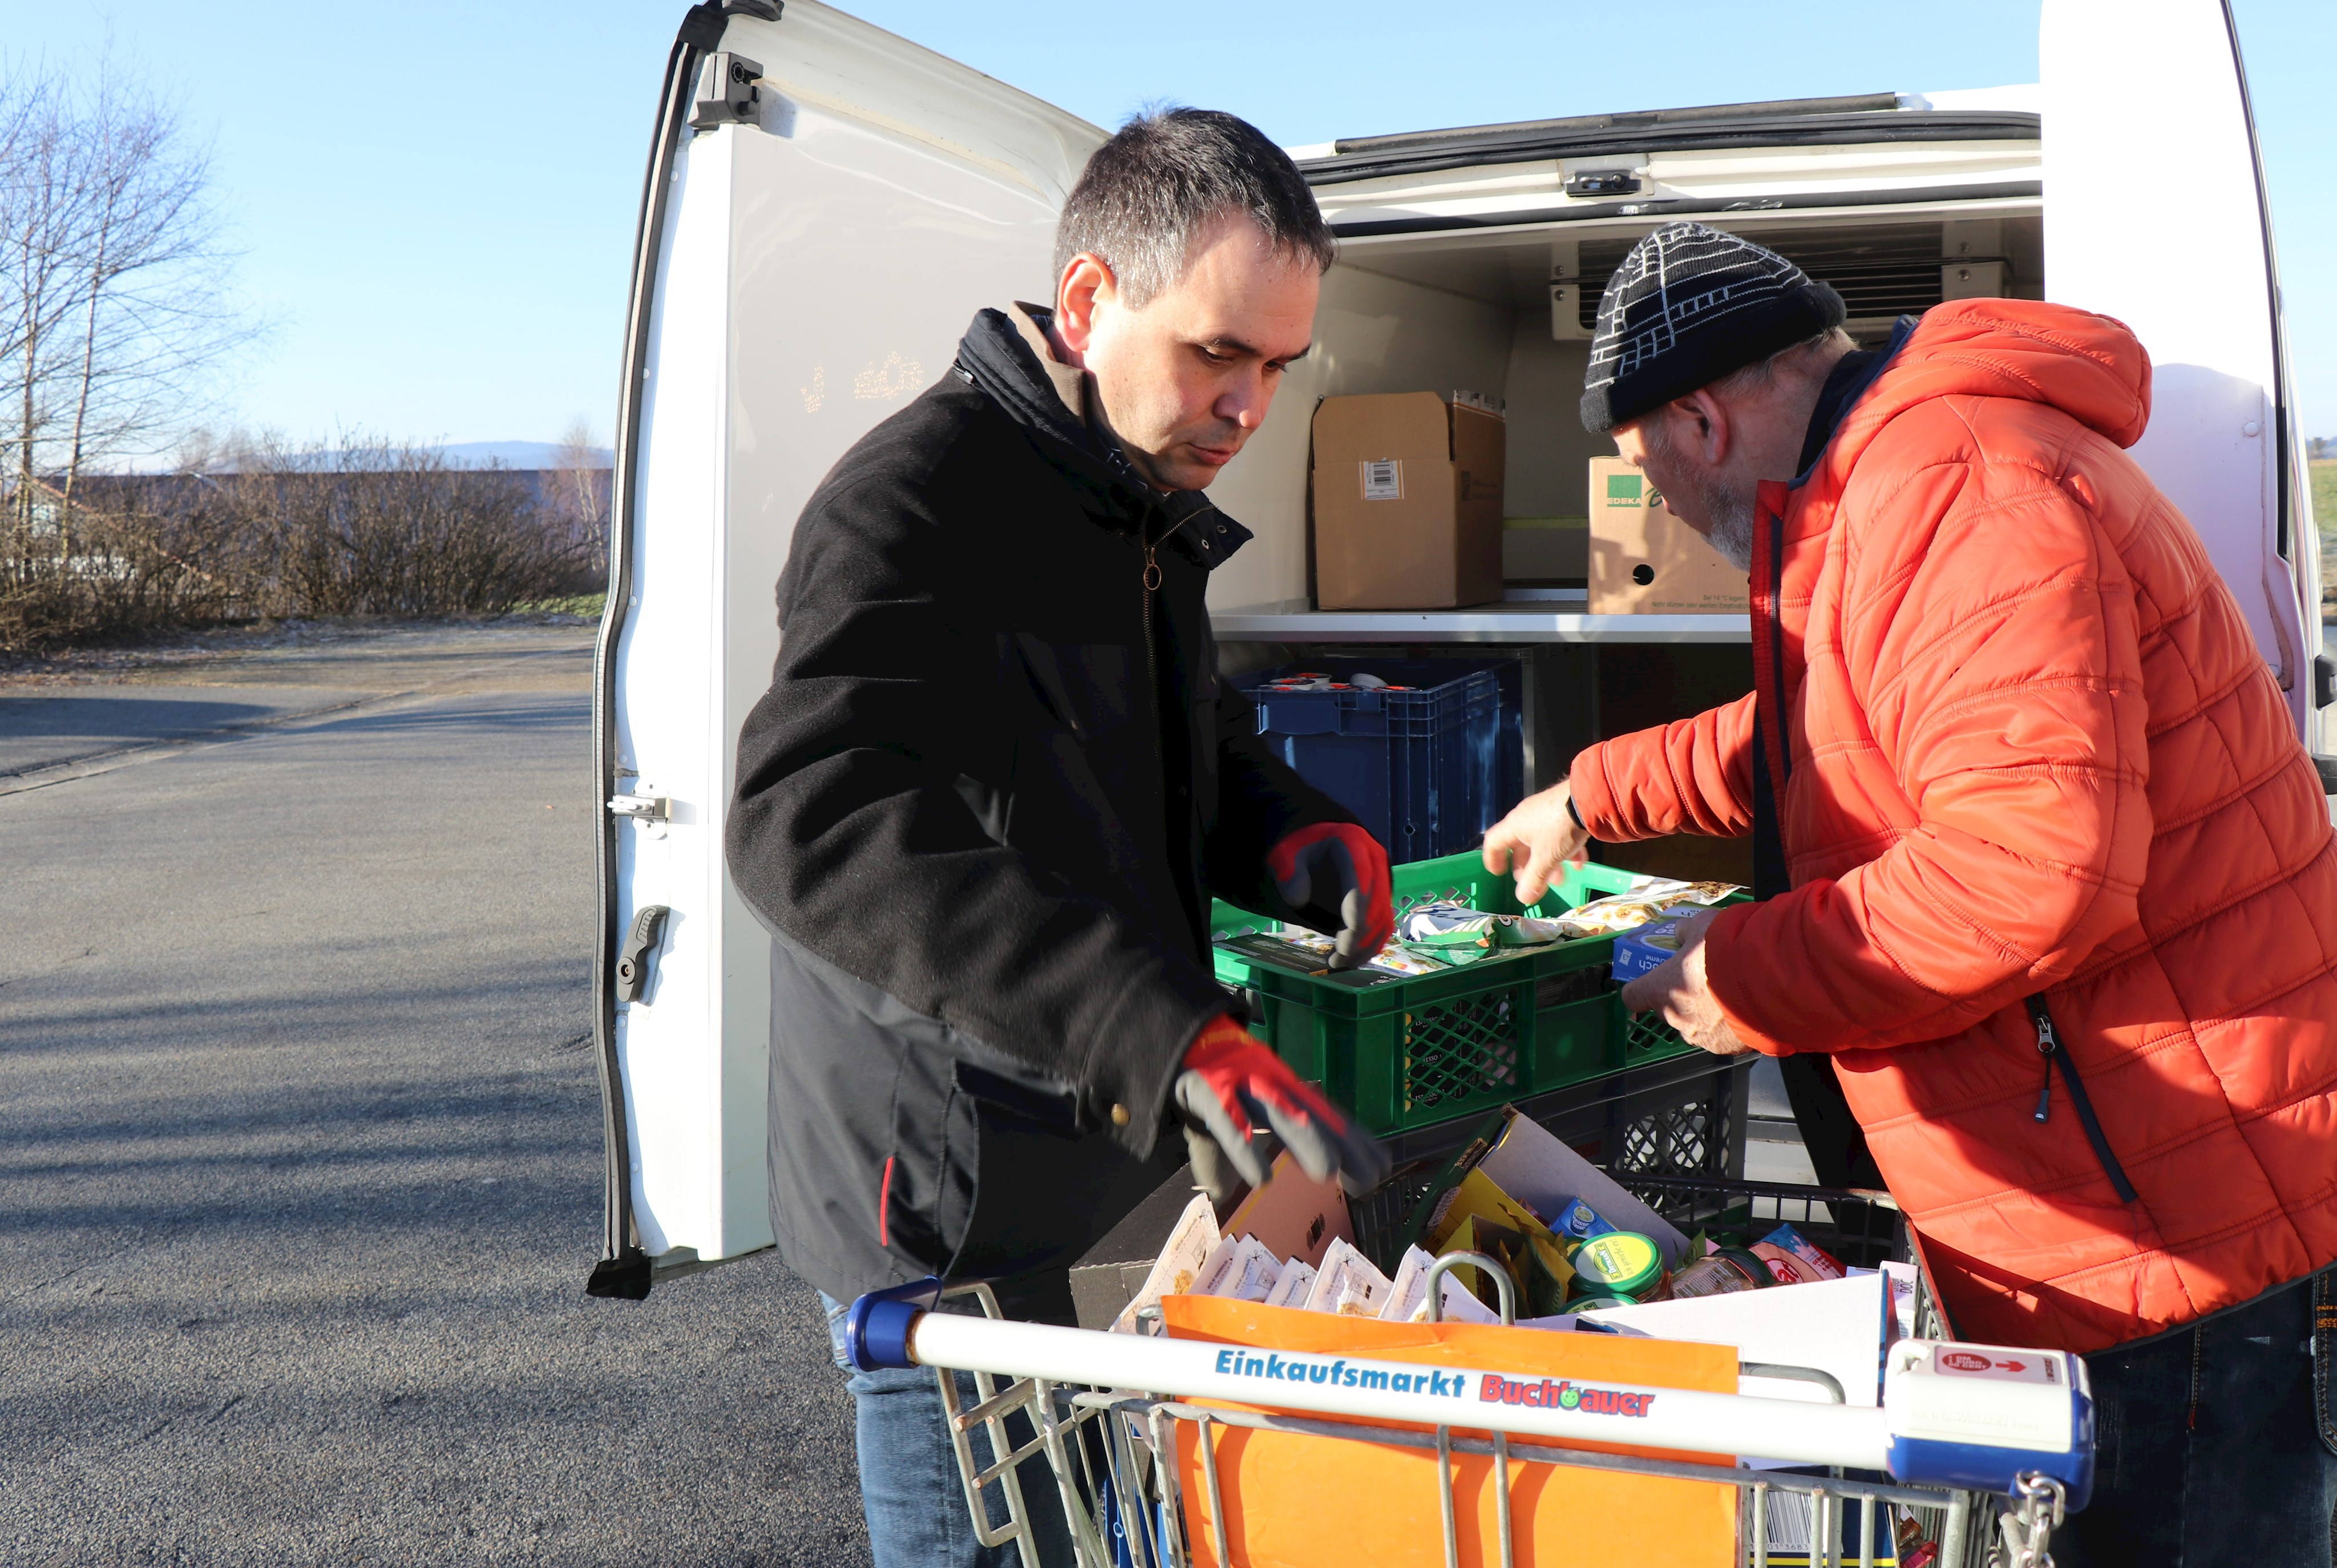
(1708, 497)
(1186, 380)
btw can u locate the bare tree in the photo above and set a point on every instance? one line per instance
(113, 289)
(580, 486)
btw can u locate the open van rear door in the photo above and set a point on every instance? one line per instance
(825, 208)
(2155, 213)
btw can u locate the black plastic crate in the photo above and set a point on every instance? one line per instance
(1682, 1118)
(1864, 1230)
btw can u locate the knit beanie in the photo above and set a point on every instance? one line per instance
(1688, 306)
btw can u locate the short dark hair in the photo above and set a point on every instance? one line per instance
(1165, 178)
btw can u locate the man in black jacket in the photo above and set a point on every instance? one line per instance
(996, 781)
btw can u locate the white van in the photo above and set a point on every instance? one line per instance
(827, 205)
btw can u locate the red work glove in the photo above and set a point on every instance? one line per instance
(1232, 1081)
(1338, 866)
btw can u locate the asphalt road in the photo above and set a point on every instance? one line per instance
(299, 1145)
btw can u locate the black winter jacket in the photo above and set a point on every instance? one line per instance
(983, 810)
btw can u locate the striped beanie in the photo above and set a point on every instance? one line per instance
(1688, 306)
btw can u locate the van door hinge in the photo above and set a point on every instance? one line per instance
(642, 808)
(727, 94)
(638, 960)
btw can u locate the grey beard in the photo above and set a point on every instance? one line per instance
(1732, 523)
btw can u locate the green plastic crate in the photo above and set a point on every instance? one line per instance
(1405, 1052)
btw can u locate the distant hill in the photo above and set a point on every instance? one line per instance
(515, 453)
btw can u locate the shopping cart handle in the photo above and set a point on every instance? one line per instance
(1982, 1416)
(877, 1324)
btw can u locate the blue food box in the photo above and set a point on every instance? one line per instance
(1579, 1221)
(1651, 946)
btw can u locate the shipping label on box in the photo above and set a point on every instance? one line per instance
(1407, 502)
(1646, 561)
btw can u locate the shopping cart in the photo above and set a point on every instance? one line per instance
(1985, 1465)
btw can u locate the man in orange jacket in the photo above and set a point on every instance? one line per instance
(2044, 869)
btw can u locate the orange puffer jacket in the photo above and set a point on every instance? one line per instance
(2023, 743)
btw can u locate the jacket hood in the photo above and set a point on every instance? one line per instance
(2091, 368)
(1005, 355)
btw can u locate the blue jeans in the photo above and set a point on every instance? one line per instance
(2215, 1444)
(910, 1489)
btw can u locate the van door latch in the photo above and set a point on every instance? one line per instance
(726, 93)
(643, 808)
(638, 960)
(1603, 182)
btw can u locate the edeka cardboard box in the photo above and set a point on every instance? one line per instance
(1646, 561)
(1407, 489)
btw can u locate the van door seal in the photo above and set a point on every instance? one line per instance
(624, 1271)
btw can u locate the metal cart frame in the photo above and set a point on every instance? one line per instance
(1124, 1504)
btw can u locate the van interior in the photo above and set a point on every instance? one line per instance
(1509, 315)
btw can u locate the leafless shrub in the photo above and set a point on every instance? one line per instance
(375, 528)
(394, 529)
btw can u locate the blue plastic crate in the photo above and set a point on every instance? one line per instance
(1426, 769)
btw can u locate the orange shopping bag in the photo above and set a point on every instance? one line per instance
(1293, 1501)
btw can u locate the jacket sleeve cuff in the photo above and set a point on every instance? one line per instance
(1726, 985)
(1138, 1054)
(1592, 798)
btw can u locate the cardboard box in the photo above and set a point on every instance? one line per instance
(1837, 1325)
(1646, 561)
(1523, 1158)
(1294, 1217)
(1113, 1271)
(1407, 491)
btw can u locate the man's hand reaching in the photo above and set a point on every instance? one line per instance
(1541, 835)
(1232, 1081)
(1340, 867)
(1680, 993)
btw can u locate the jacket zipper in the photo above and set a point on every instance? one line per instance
(1151, 580)
(2048, 1047)
(1768, 630)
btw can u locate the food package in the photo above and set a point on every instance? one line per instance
(1408, 1298)
(1723, 1272)
(1579, 1221)
(1457, 934)
(1392, 960)
(1643, 949)
(1348, 1284)
(1622, 911)
(1290, 1289)
(1243, 1268)
(1535, 1262)
(1189, 1245)
(1793, 1260)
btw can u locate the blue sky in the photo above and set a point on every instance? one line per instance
(435, 201)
